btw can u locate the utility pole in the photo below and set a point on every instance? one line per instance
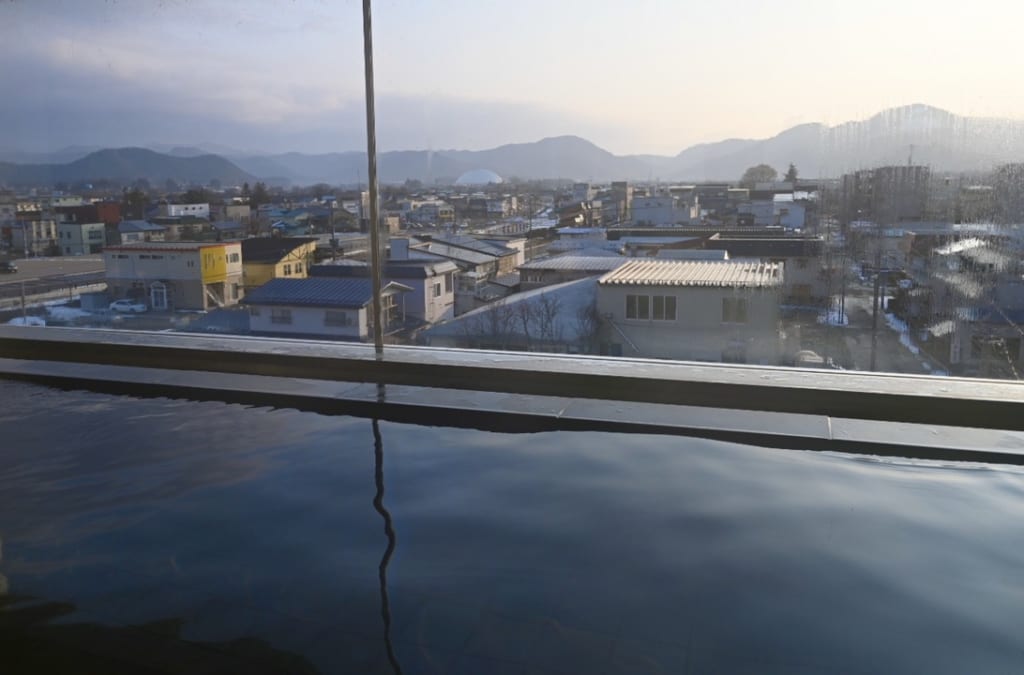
(874, 309)
(371, 158)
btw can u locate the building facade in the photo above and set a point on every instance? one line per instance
(173, 276)
(81, 238)
(696, 311)
(323, 307)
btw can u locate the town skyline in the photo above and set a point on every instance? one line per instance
(264, 78)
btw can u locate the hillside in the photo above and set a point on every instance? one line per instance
(125, 165)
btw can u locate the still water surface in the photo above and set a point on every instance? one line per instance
(184, 536)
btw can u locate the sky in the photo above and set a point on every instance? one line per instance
(645, 76)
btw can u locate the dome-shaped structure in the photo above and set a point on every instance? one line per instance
(478, 177)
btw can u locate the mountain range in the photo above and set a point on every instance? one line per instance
(917, 133)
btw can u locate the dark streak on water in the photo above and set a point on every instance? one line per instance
(256, 535)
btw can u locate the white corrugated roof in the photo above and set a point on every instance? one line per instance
(741, 274)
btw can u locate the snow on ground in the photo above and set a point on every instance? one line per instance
(27, 321)
(834, 318)
(62, 313)
(901, 327)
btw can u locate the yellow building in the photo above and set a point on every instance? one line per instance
(266, 258)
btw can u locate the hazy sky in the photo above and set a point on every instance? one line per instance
(640, 76)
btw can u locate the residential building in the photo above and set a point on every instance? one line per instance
(176, 275)
(431, 298)
(976, 204)
(266, 258)
(582, 192)
(323, 307)
(240, 213)
(618, 203)
(1008, 193)
(806, 280)
(76, 238)
(229, 229)
(108, 213)
(179, 210)
(507, 255)
(133, 231)
(8, 213)
(886, 195)
(788, 213)
(568, 267)
(693, 310)
(660, 211)
(427, 211)
(35, 237)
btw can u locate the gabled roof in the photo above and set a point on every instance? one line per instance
(732, 274)
(345, 293)
(271, 249)
(455, 253)
(474, 244)
(400, 269)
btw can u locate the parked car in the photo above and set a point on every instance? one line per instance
(7, 267)
(126, 305)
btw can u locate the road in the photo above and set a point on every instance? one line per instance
(892, 356)
(38, 268)
(41, 275)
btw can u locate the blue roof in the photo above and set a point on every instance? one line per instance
(139, 226)
(350, 293)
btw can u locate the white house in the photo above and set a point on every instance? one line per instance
(692, 310)
(178, 210)
(660, 211)
(321, 307)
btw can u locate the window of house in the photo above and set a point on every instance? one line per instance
(448, 282)
(336, 318)
(279, 315)
(437, 290)
(664, 307)
(734, 310)
(287, 269)
(254, 311)
(234, 257)
(639, 307)
(298, 268)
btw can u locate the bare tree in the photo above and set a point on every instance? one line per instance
(588, 322)
(547, 315)
(524, 315)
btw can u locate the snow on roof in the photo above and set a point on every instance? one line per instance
(960, 246)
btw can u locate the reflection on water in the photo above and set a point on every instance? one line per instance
(541, 553)
(31, 641)
(389, 532)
